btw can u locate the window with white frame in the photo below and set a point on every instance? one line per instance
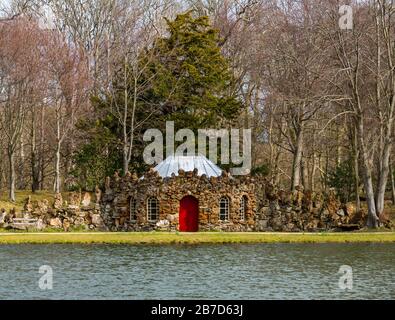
(224, 208)
(153, 209)
(243, 207)
(133, 209)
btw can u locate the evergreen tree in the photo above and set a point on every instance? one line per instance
(186, 79)
(193, 85)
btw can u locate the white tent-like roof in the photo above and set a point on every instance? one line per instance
(187, 163)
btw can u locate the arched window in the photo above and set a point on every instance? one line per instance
(224, 208)
(133, 209)
(152, 209)
(243, 207)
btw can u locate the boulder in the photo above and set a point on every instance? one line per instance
(298, 196)
(262, 225)
(86, 201)
(79, 221)
(41, 207)
(350, 209)
(332, 202)
(97, 220)
(340, 213)
(66, 225)
(359, 217)
(163, 223)
(55, 223)
(74, 199)
(307, 201)
(385, 220)
(171, 217)
(58, 201)
(3, 215)
(263, 212)
(40, 225)
(28, 207)
(27, 215)
(98, 194)
(107, 186)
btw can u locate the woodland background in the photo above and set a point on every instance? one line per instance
(81, 80)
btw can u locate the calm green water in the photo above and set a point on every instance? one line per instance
(259, 271)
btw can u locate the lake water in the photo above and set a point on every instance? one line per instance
(257, 271)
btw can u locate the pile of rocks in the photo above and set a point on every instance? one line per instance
(78, 212)
(307, 211)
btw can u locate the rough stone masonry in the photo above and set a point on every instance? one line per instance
(266, 208)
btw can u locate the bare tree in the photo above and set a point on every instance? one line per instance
(67, 91)
(17, 78)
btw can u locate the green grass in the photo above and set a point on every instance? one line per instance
(21, 196)
(193, 238)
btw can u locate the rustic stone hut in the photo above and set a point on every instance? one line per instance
(184, 193)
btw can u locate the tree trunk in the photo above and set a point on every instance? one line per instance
(276, 172)
(392, 183)
(338, 147)
(42, 149)
(12, 173)
(271, 147)
(125, 159)
(57, 154)
(383, 179)
(367, 178)
(296, 166)
(313, 171)
(304, 173)
(21, 166)
(322, 172)
(356, 171)
(124, 122)
(57, 169)
(372, 216)
(34, 163)
(1, 171)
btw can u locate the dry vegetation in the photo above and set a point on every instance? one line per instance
(21, 196)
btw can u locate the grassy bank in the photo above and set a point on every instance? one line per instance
(21, 196)
(193, 238)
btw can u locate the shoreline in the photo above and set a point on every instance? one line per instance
(162, 238)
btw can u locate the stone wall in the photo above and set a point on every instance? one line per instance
(75, 213)
(306, 211)
(267, 209)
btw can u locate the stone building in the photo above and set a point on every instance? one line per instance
(184, 193)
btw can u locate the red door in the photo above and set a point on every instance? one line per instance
(189, 214)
